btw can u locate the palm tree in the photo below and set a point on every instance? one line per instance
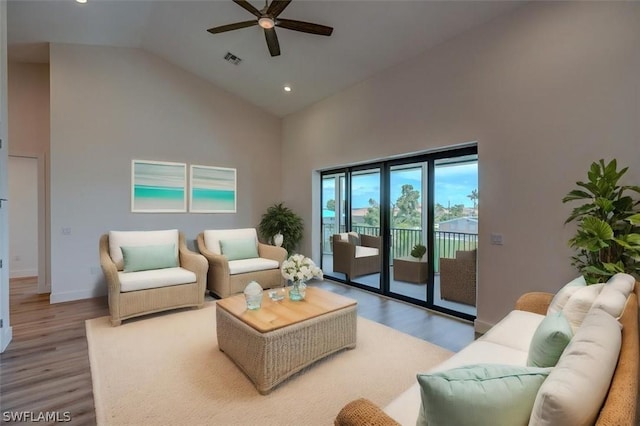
(474, 197)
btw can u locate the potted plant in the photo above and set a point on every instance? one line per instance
(280, 219)
(608, 236)
(418, 251)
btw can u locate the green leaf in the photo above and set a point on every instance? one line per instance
(580, 211)
(614, 268)
(597, 227)
(576, 194)
(591, 187)
(605, 204)
(634, 220)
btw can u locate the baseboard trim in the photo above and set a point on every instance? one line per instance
(23, 273)
(481, 326)
(69, 296)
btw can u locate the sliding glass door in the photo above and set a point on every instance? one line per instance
(334, 218)
(406, 228)
(365, 223)
(407, 222)
(455, 233)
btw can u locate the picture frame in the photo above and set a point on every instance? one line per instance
(158, 187)
(212, 189)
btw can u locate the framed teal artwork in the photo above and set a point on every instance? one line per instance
(213, 189)
(158, 187)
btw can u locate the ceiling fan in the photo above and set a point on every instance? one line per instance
(268, 19)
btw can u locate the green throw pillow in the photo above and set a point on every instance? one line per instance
(480, 395)
(144, 258)
(237, 249)
(549, 340)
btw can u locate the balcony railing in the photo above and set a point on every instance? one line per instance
(403, 240)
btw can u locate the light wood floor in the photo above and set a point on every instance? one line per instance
(45, 368)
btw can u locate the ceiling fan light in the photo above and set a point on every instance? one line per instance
(266, 22)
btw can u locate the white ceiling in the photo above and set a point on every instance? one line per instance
(368, 37)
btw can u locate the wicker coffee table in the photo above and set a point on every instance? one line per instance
(281, 338)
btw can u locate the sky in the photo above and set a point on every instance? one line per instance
(452, 185)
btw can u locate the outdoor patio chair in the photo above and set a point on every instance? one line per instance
(458, 277)
(356, 254)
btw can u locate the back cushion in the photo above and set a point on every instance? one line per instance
(580, 303)
(563, 295)
(611, 300)
(577, 386)
(212, 237)
(623, 283)
(118, 239)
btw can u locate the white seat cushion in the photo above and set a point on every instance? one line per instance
(362, 251)
(483, 352)
(405, 408)
(155, 278)
(118, 239)
(515, 330)
(242, 266)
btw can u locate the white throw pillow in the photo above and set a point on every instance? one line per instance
(623, 283)
(575, 389)
(561, 297)
(611, 300)
(580, 303)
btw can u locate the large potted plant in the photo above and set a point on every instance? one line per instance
(279, 219)
(607, 240)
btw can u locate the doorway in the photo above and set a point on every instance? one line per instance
(27, 239)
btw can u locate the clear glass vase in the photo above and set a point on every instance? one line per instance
(297, 291)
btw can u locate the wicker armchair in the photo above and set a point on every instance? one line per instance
(355, 259)
(458, 277)
(149, 291)
(226, 277)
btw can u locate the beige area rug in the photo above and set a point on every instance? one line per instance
(167, 370)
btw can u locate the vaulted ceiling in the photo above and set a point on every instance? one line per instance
(368, 37)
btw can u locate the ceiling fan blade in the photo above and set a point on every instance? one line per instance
(305, 27)
(272, 41)
(230, 27)
(248, 7)
(277, 6)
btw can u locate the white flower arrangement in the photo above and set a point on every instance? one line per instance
(300, 268)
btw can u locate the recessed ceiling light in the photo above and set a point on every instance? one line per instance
(287, 88)
(81, 1)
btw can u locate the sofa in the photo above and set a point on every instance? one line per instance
(356, 254)
(150, 271)
(236, 258)
(594, 380)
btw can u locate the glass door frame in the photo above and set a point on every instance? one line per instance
(385, 169)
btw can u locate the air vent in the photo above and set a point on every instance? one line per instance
(232, 58)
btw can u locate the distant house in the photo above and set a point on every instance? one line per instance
(467, 225)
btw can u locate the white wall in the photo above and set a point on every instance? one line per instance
(112, 105)
(544, 91)
(23, 217)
